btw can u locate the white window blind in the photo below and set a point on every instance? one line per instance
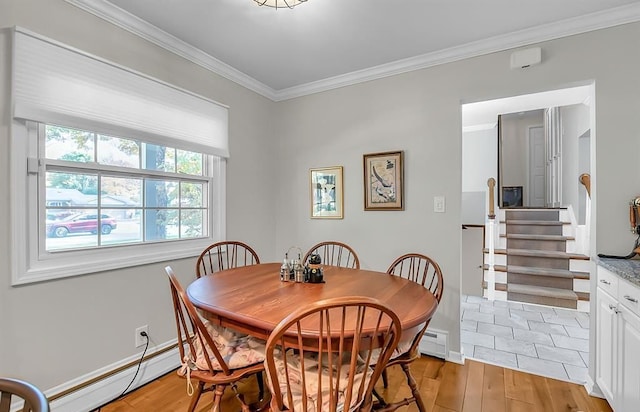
(52, 84)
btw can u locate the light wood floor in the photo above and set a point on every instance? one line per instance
(445, 387)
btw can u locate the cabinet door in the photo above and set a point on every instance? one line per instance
(628, 391)
(606, 323)
(472, 256)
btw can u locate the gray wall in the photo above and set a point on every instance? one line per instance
(419, 112)
(273, 145)
(515, 149)
(56, 331)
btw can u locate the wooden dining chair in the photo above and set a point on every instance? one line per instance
(34, 399)
(223, 255)
(213, 355)
(317, 357)
(335, 253)
(426, 272)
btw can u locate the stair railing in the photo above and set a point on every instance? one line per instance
(585, 179)
(491, 223)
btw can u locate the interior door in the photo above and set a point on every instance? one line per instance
(472, 259)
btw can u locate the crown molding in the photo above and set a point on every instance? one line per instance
(568, 27)
(564, 28)
(127, 21)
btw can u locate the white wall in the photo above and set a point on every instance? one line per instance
(479, 159)
(575, 122)
(418, 112)
(53, 332)
(479, 163)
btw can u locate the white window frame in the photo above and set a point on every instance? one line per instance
(32, 263)
(86, 92)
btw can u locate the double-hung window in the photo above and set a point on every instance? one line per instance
(105, 191)
(109, 168)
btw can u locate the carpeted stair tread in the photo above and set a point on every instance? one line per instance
(545, 253)
(528, 270)
(561, 273)
(536, 237)
(542, 291)
(535, 222)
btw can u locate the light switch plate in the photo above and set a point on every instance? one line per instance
(438, 204)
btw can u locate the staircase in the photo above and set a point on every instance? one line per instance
(532, 262)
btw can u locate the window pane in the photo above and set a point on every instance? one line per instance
(120, 226)
(77, 230)
(159, 158)
(115, 151)
(71, 189)
(121, 192)
(191, 223)
(191, 194)
(189, 162)
(161, 224)
(160, 193)
(69, 144)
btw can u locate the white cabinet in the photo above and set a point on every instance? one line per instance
(628, 393)
(618, 342)
(606, 323)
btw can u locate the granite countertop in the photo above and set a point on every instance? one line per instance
(628, 269)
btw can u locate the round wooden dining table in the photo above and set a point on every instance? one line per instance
(252, 298)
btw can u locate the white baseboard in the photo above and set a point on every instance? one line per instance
(455, 357)
(103, 391)
(593, 389)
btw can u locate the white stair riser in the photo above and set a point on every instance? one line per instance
(579, 265)
(583, 306)
(501, 277)
(498, 259)
(581, 285)
(499, 295)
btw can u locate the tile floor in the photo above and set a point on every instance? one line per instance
(552, 342)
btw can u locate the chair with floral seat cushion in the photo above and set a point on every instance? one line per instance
(317, 357)
(33, 398)
(425, 271)
(334, 253)
(223, 255)
(210, 354)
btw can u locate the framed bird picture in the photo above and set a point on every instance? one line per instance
(383, 181)
(326, 192)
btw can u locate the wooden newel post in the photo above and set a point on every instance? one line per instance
(585, 179)
(492, 185)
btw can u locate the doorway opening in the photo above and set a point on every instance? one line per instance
(536, 147)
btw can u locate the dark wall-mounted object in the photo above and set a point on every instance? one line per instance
(511, 196)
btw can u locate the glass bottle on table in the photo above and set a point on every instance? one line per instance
(298, 271)
(284, 269)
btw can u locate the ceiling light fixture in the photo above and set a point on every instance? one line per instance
(279, 4)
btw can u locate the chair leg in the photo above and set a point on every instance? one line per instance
(217, 397)
(385, 380)
(240, 397)
(196, 396)
(260, 386)
(414, 387)
(379, 397)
